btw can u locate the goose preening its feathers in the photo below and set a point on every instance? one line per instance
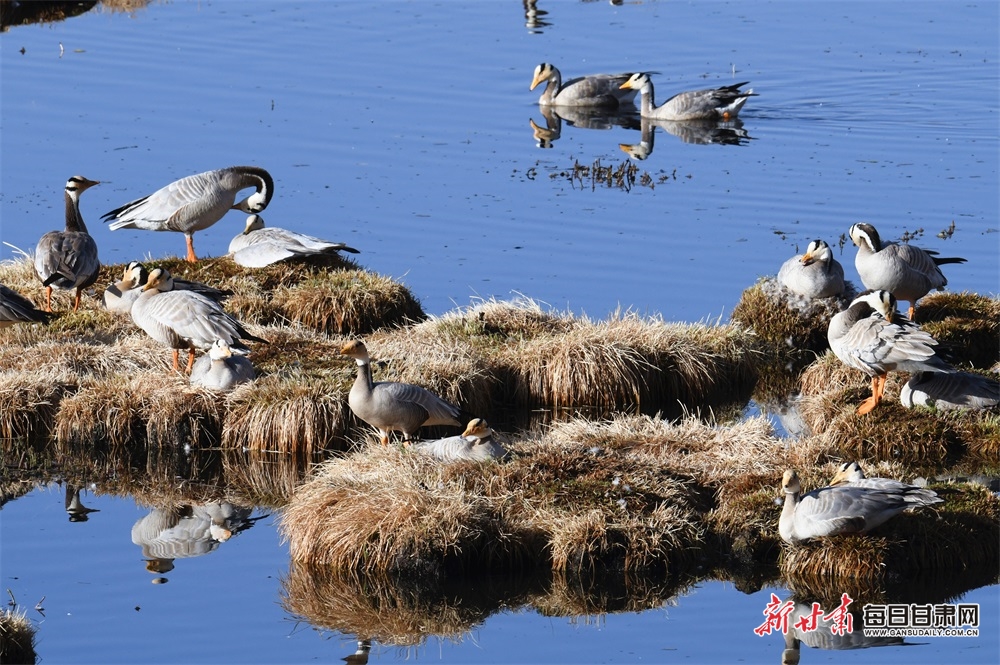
(260, 245)
(184, 319)
(843, 508)
(195, 202)
(865, 337)
(603, 90)
(815, 274)
(68, 259)
(222, 368)
(722, 103)
(907, 272)
(389, 406)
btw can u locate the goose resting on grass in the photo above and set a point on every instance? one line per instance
(222, 368)
(905, 271)
(815, 274)
(475, 443)
(260, 245)
(389, 406)
(602, 90)
(865, 337)
(843, 508)
(15, 308)
(959, 390)
(68, 259)
(120, 296)
(184, 319)
(722, 103)
(195, 202)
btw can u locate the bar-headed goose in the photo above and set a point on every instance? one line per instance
(222, 368)
(120, 296)
(865, 337)
(604, 90)
(475, 443)
(260, 245)
(815, 274)
(722, 103)
(195, 202)
(15, 308)
(184, 319)
(844, 508)
(959, 390)
(68, 259)
(389, 406)
(905, 271)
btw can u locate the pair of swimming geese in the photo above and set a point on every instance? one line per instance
(68, 259)
(612, 91)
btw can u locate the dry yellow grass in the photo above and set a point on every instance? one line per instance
(966, 326)
(17, 637)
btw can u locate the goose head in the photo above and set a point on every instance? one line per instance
(543, 72)
(637, 81)
(879, 300)
(159, 279)
(847, 473)
(478, 429)
(863, 233)
(135, 274)
(356, 349)
(790, 482)
(254, 223)
(220, 350)
(77, 184)
(817, 250)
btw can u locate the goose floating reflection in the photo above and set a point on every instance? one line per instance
(814, 274)
(603, 90)
(865, 337)
(258, 245)
(723, 103)
(390, 406)
(184, 319)
(68, 259)
(195, 203)
(696, 132)
(15, 308)
(907, 272)
(844, 508)
(475, 443)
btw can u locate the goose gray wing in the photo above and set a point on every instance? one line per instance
(15, 308)
(408, 396)
(67, 259)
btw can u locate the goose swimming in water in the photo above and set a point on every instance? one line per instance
(865, 337)
(184, 319)
(843, 508)
(722, 103)
(68, 259)
(195, 202)
(120, 296)
(389, 406)
(815, 274)
(15, 308)
(603, 90)
(221, 368)
(905, 271)
(475, 443)
(260, 245)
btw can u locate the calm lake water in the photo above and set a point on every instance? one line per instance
(402, 128)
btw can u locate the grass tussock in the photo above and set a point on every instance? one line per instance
(30, 406)
(966, 326)
(17, 637)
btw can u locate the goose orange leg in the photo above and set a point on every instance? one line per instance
(48, 298)
(878, 389)
(177, 366)
(190, 246)
(76, 302)
(190, 360)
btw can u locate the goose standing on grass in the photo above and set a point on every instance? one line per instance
(388, 406)
(905, 271)
(844, 508)
(120, 296)
(711, 104)
(475, 443)
(865, 337)
(184, 319)
(15, 308)
(221, 368)
(945, 392)
(260, 245)
(195, 202)
(815, 274)
(68, 259)
(603, 90)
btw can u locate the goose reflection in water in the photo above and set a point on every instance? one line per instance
(698, 132)
(822, 637)
(534, 18)
(583, 117)
(360, 655)
(187, 531)
(74, 507)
